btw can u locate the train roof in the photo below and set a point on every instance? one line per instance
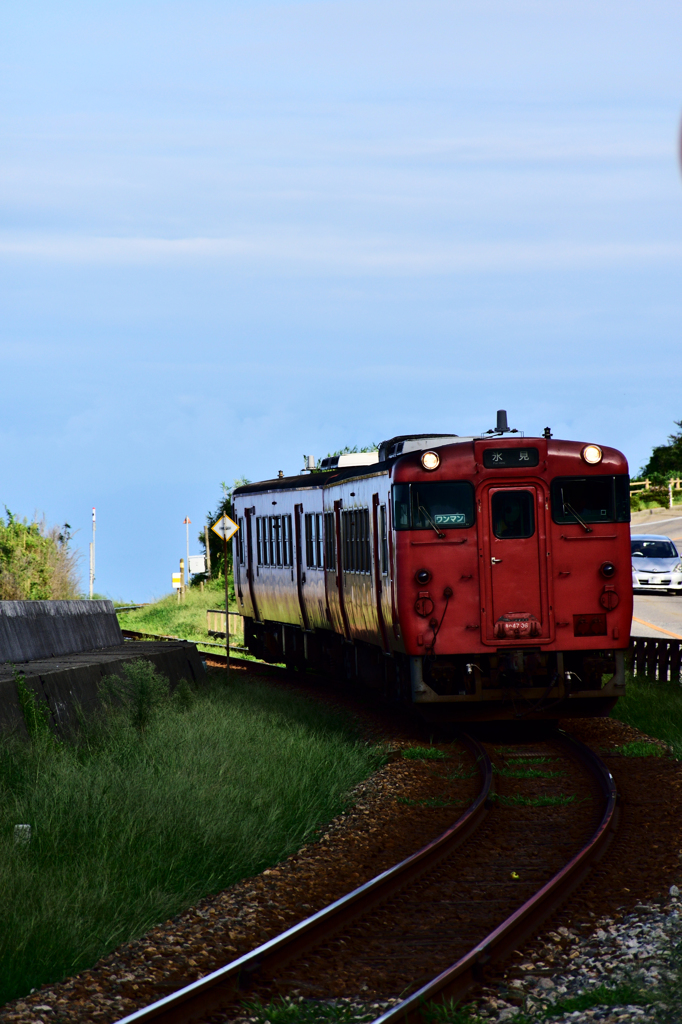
(389, 452)
(302, 481)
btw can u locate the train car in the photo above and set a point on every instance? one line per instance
(476, 577)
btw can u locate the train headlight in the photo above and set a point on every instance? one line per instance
(607, 570)
(592, 454)
(430, 460)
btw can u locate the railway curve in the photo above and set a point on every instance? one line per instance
(212, 994)
(460, 977)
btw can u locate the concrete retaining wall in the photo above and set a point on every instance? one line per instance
(30, 630)
(71, 684)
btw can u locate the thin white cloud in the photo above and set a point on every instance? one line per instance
(297, 251)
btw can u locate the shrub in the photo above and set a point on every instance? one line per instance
(36, 712)
(140, 692)
(655, 497)
(36, 563)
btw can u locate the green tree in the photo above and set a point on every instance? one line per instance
(36, 563)
(666, 459)
(223, 508)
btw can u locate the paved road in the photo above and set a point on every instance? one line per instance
(662, 610)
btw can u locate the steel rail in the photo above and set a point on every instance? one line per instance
(216, 990)
(134, 634)
(456, 981)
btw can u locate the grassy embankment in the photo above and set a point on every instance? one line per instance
(164, 801)
(654, 707)
(186, 618)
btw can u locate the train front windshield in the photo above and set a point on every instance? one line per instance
(445, 505)
(595, 499)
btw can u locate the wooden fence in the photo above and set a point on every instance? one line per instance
(215, 622)
(637, 486)
(658, 659)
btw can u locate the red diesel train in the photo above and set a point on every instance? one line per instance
(477, 577)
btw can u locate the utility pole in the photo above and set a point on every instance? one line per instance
(92, 556)
(208, 552)
(187, 522)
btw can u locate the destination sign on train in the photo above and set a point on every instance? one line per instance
(508, 458)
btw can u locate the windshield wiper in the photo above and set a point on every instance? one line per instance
(420, 508)
(569, 508)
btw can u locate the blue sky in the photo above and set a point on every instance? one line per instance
(235, 232)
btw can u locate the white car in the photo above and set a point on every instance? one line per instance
(656, 565)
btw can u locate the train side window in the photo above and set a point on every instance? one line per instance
(309, 540)
(240, 540)
(345, 537)
(383, 540)
(275, 530)
(366, 542)
(360, 540)
(443, 505)
(401, 506)
(330, 540)
(319, 540)
(513, 514)
(267, 525)
(348, 531)
(356, 540)
(286, 540)
(259, 540)
(264, 536)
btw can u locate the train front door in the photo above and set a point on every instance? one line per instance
(515, 609)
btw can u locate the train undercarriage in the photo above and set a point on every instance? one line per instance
(510, 683)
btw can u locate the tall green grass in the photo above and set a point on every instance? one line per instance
(186, 618)
(654, 707)
(164, 802)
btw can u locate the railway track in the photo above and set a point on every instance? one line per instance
(424, 924)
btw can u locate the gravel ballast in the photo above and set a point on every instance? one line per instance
(621, 927)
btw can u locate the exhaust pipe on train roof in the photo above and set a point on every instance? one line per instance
(502, 424)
